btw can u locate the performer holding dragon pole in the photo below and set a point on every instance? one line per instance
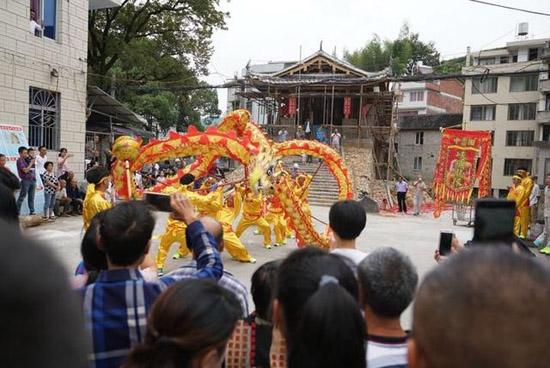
(523, 207)
(517, 194)
(253, 214)
(175, 229)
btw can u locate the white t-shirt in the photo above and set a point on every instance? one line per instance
(40, 161)
(354, 255)
(33, 27)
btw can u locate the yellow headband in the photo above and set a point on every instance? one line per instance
(517, 177)
(103, 180)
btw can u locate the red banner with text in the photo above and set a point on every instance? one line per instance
(292, 106)
(464, 162)
(347, 107)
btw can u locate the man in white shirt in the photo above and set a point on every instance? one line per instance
(534, 200)
(62, 200)
(347, 219)
(542, 240)
(34, 27)
(387, 282)
(419, 189)
(41, 159)
(335, 139)
(401, 187)
(307, 129)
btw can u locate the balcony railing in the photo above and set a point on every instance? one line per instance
(542, 144)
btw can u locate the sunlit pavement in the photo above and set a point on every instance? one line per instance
(416, 236)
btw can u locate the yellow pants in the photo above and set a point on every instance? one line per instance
(521, 222)
(260, 223)
(235, 247)
(171, 236)
(279, 226)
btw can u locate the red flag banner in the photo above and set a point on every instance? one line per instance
(347, 107)
(464, 161)
(292, 106)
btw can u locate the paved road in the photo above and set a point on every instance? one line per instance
(415, 236)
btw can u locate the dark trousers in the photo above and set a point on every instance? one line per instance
(401, 201)
(27, 188)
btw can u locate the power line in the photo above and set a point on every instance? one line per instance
(510, 7)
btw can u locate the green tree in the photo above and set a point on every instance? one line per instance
(400, 54)
(181, 28)
(451, 66)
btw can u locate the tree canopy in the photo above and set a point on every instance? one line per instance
(148, 51)
(400, 54)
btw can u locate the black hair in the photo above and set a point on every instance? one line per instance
(388, 281)
(41, 317)
(2, 155)
(8, 206)
(40, 147)
(187, 179)
(347, 219)
(95, 174)
(191, 317)
(262, 284)
(47, 163)
(317, 293)
(21, 149)
(30, 149)
(484, 307)
(126, 231)
(94, 258)
(61, 151)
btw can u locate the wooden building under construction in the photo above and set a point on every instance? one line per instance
(330, 93)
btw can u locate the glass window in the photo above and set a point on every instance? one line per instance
(503, 60)
(526, 111)
(419, 138)
(418, 163)
(522, 83)
(43, 118)
(533, 54)
(417, 96)
(487, 61)
(546, 133)
(511, 165)
(520, 138)
(547, 104)
(482, 112)
(484, 85)
(50, 15)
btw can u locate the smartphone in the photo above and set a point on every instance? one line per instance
(494, 220)
(445, 240)
(160, 201)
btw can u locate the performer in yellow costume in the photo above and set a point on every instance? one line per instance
(525, 211)
(517, 194)
(275, 217)
(253, 215)
(175, 229)
(95, 202)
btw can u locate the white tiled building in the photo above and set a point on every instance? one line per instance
(43, 73)
(511, 100)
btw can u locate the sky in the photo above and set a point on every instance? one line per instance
(274, 30)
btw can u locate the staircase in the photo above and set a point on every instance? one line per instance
(323, 191)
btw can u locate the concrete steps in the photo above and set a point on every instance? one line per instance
(323, 191)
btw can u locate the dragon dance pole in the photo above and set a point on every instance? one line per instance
(128, 179)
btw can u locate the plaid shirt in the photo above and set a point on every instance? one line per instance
(227, 281)
(116, 306)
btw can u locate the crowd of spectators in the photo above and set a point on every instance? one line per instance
(483, 306)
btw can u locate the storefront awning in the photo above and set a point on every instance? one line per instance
(102, 103)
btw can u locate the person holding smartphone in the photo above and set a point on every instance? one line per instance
(28, 179)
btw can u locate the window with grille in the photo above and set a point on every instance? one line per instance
(533, 54)
(520, 138)
(43, 118)
(418, 163)
(484, 85)
(419, 138)
(417, 96)
(522, 83)
(482, 112)
(511, 165)
(526, 111)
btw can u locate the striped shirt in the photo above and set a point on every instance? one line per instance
(116, 306)
(386, 352)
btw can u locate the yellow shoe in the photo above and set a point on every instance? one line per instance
(545, 250)
(178, 256)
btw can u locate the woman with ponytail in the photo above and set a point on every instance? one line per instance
(188, 327)
(316, 309)
(98, 181)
